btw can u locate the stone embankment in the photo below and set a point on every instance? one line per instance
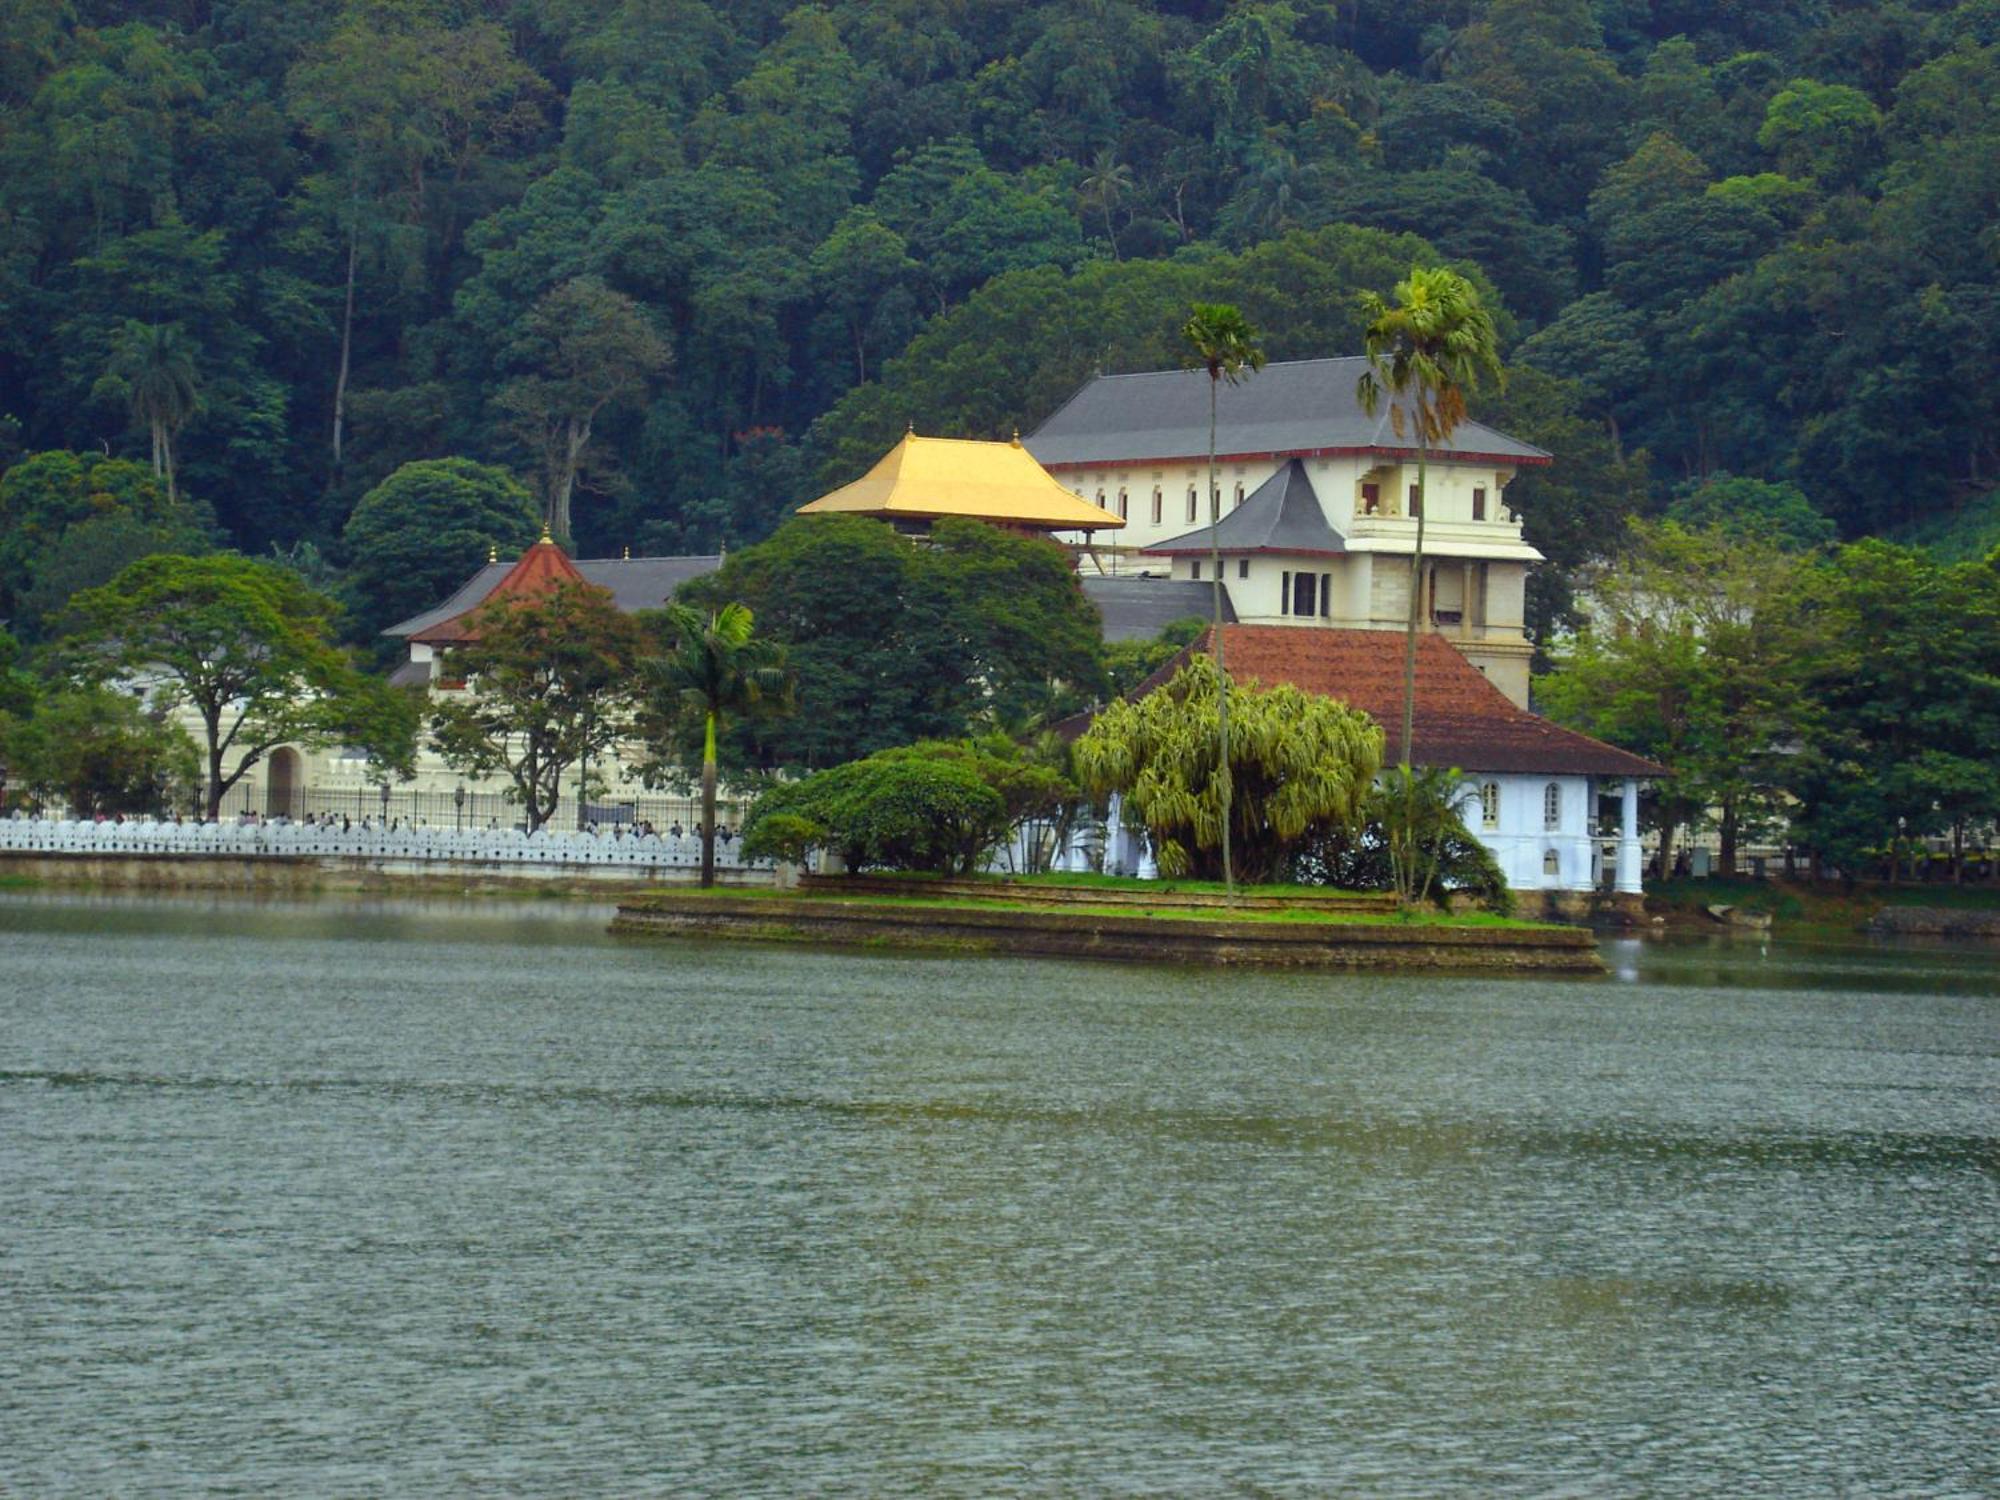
(1161, 935)
(1936, 921)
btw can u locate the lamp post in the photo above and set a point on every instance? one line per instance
(458, 804)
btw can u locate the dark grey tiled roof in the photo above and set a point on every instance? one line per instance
(1137, 609)
(634, 582)
(1281, 515)
(1301, 406)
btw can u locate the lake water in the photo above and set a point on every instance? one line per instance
(352, 1198)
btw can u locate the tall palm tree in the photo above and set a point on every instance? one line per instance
(1107, 183)
(155, 363)
(1220, 340)
(1428, 350)
(718, 669)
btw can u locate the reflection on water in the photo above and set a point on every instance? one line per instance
(364, 1197)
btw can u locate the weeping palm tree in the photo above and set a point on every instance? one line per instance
(1219, 339)
(1428, 351)
(155, 364)
(718, 670)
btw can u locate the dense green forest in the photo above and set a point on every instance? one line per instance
(675, 266)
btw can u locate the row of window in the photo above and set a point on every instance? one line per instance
(1123, 509)
(1371, 501)
(1552, 806)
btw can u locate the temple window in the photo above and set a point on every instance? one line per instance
(1123, 507)
(1552, 807)
(1489, 805)
(1194, 568)
(1479, 503)
(1326, 596)
(1285, 593)
(1371, 499)
(1239, 492)
(1194, 499)
(1157, 496)
(1242, 567)
(1416, 501)
(1304, 587)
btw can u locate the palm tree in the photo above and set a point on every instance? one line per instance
(1108, 182)
(1429, 350)
(155, 364)
(1220, 340)
(717, 669)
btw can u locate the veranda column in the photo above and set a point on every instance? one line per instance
(1628, 840)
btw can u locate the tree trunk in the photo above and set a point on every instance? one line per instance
(167, 457)
(577, 438)
(346, 340)
(708, 804)
(1725, 859)
(1958, 851)
(1221, 670)
(1667, 831)
(1416, 600)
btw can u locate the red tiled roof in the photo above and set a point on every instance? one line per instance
(1461, 719)
(542, 567)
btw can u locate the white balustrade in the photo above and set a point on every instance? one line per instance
(402, 844)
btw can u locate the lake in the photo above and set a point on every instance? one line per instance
(360, 1197)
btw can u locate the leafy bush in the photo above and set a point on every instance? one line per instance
(898, 811)
(1440, 858)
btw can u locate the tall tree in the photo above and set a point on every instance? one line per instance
(590, 347)
(155, 364)
(1220, 340)
(246, 646)
(1428, 352)
(549, 685)
(715, 669)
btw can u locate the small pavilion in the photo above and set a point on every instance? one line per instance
(922, 480)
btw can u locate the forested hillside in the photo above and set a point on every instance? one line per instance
(679, 264)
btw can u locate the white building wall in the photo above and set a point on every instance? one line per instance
(1521, 840)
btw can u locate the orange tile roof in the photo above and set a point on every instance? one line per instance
(542, 567)
(1461, 719)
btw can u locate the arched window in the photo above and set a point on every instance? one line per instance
(1489, 805)
(1194, 499)
(1552, 807)
(1123, 514)
(1551, 863)
(1239, 492)
(1156, 504)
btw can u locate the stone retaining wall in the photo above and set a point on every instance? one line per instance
(1325, 945)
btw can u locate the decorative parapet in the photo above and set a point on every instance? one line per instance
(362, 841)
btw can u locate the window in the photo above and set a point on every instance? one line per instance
(1479, 503)
(1194, 499)
(1156, 504)
(1326, 596)
(1416, 501)
(1304, 587)
(1100, 499)
(1371, 499)
(1552, 863)
(1123, 515)
(1552, 807)
(1194, 571)
(1285, 593)
(1242, 567)
(1239, 492)
(1489, 805)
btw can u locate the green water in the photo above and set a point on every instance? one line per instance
(359, 1198)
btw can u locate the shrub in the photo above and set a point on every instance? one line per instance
(896, 812)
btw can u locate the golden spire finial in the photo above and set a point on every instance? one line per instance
(547, 540)
(493, 552)
(910, 427)
(1017, 437)
(628, 552)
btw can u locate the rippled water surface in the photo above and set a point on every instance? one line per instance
(352, 1199)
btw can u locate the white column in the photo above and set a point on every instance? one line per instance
(1628, 840)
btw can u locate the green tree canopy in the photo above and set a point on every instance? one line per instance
(1298, 764)
(102, 753)
(424, 530)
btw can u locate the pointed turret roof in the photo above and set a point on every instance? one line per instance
(925, 478)
(542, 567)
(1283, 514)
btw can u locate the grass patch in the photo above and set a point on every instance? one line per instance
(1797, 904)
(1066, 880)
(1306, 915)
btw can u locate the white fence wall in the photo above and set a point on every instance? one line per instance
(413, 845)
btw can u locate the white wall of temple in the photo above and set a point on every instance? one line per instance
(1540, 828)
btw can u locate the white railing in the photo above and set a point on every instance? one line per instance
(608, 846)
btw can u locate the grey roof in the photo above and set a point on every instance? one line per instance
(1282, 514)
(634, 582)
(1300, 406)
(1138, 609)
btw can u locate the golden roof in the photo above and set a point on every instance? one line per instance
(924, 478)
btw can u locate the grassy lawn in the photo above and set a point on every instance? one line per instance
(1809, 905)
(1088, 882)
(1165, 914)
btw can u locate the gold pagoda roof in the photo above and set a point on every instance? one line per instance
(925, 478)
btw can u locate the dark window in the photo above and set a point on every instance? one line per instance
(1479, 504)
(1156, 505)
(1371, 499)
(1243, 567)
(1194, 571)
(1285, 594)
(1303, 602)
(1122, 515)
(1326, 596)
(1416, 501)
(1194, 499)
(1239, 494)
